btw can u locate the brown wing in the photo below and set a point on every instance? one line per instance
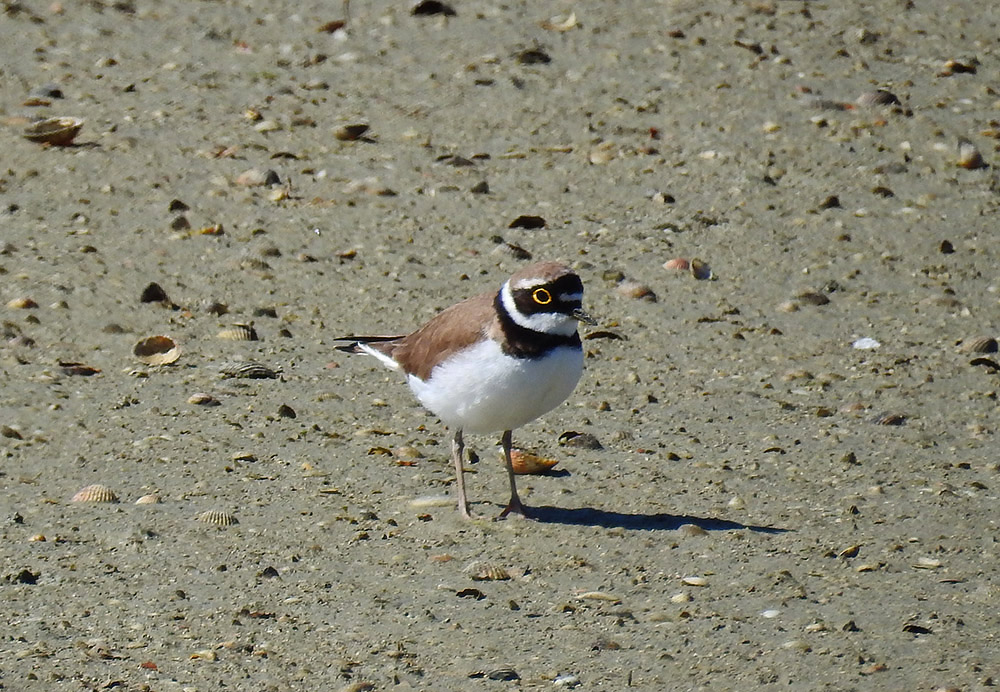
(450, 330)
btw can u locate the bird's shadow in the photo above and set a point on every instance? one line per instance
(588, 516)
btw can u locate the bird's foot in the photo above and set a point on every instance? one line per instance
(515, 509)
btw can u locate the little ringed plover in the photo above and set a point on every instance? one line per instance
(493, 362)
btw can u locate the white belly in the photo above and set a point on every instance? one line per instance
(482, 390)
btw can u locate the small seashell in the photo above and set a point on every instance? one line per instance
(239, 332)
(153, 293)
(682, 597)
(22, 304)
(982, 344)
(865, 343)
(889, 418)
(635, 291)
(695, 581)
(486, 571)
(813, 298)
(431, 501)
(157, 350)
(700, 270)
(95, 493)
(677, 264)
(427, 8)
(151, 499)
(692, 530)
(604, 152)
(877, 97)
(525, 463)
(560, 24)
(203, 399)
(850, 551)
(248, 370)
(58, 132)
(350, 133)
(257, 177)
(968, 155)
(598, 596)
(927, 563)
(528, 221)
(218, 518)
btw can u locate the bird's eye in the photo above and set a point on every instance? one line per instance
(541, 296)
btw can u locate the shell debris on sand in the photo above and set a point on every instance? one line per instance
(150, 499)
(203, 399)
(157, 350)
(981, 344)
(239, 332)
(95, 493)
(525, 463)
(57, 132)
(248, 370)
(486, 571)
(22, 304)
(218, 518)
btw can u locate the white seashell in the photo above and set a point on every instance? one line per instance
(95, 493)
(157, 350)
(865, 344)
(431, 501)
(239, 332)
(151, 499)
(218, 518)
(694, 581)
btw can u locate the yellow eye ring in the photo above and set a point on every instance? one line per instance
(541, 296)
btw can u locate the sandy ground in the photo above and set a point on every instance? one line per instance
(771, 508)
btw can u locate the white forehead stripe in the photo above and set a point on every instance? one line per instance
(528, 283)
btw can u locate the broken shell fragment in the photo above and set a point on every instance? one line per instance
(969, 156)
(203, 399)
(700, 270)
(695, 581)
(239, 332)
(350, 133)
(157, 350)
(525, 463)
(22, 304)
(218, 518)
(57, 132)
(95, 493)
(877, 97)
(635, 290)
(982, 344)
(486, 571)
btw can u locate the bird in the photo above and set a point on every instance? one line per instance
(493, 362)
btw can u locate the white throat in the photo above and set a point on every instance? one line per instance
(544, 322)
